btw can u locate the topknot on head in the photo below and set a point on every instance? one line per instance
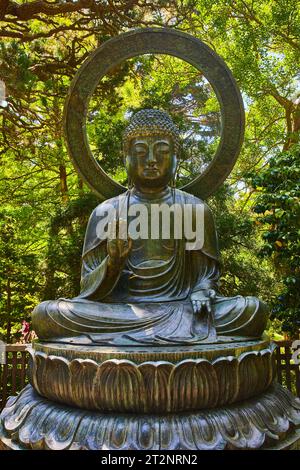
(149, 122)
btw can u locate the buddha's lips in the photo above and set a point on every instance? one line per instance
(151, 170)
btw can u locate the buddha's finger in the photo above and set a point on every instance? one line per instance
(122, 229)
(112, 244)
(120, 244)
(123, 245)
(208, 306)
(127, 250)
(111, 230)
(129, 243)
(112, 247)
(212, 294)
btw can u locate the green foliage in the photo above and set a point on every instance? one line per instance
(66, 233)
(278, 207)
(243, 272)
(155, 81)
(18, 273)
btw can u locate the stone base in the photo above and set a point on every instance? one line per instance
(269, 421)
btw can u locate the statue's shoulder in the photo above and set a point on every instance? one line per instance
(188, 198)
(102, 210)
(112, 202)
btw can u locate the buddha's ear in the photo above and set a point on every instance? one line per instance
(176, 163)
(125, 151)
(126, 160)
(175, 170)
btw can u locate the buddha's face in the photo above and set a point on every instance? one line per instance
(151, 161)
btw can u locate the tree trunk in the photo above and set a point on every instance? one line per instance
(80, 186)
(292, 114)
(8, 307)
(63, 183)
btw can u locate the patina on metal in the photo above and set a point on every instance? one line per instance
(269, 421)
(156, 41)
(149, 291)
(178, 381)
(149, 355)
(151, 122)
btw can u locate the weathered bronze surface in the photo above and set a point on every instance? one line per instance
(32, 422)
(157, 386)
(149, 291)
(224, 346)
(149, 355)
(160, 41)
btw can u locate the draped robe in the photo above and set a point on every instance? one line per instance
(148, 302)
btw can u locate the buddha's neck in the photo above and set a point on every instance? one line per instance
(151, 193)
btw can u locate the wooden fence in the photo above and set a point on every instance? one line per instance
(288, 373)
(13, 374)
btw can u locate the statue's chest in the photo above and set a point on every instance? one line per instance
(151, 228)
(145, 251)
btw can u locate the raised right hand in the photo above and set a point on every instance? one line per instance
(118, 248)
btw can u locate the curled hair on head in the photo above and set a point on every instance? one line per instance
(149, 122)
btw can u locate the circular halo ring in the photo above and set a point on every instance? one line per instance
(156, 41)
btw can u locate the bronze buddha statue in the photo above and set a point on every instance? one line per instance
(201, 377)
(149, 291)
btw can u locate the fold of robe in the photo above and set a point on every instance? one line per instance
(148, 302)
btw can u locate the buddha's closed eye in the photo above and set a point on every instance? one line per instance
(163, 150)
(140, 150)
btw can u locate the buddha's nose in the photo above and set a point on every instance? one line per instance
(151, 157)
